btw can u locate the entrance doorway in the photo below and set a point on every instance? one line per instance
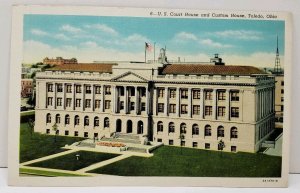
(119, 125)
(140, 127)
(129, 126)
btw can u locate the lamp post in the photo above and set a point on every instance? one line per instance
(77, 157)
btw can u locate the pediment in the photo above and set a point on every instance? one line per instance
(130, 77)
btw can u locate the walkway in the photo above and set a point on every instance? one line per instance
(277, 151)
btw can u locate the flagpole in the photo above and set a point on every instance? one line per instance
(154, 53)
(145, 51)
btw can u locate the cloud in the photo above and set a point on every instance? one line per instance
(240, 34)
(136, 38)
(70, 29)
(211, 43)
(38, 32)
(61, 37)
(103, 28)
(185, 36)
(89, 44)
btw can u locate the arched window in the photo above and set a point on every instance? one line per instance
(183, 128)
(96, 122)
(76, 120)
(140, 127)
(220, 131)
(57, 118)
(48, 118)
(171, 127)
(67, 119)
(106, 122)
(86, 121)
(195, 129)
(207, 130)
(160, 126)
(233, 132)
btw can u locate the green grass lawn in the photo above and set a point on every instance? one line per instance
(40, 145)
(69, 161)
(168, 161)
(33, 172)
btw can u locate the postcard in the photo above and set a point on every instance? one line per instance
(108, 96)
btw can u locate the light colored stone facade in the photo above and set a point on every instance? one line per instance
(279, 97)
(135, 98)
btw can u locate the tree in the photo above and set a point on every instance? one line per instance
(181, 137)
(31, 100)
(31, 126)
(54, 128)
(221, 145)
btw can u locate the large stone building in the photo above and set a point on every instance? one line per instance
(59, 61)
(279, 97)
(204, 103)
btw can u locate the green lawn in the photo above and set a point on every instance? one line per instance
(40, 145)
(168, 161)
(69, 161)
(35, 172)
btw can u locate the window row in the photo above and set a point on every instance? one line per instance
(208, 94)
(76, 120)
(78, 88)
(195, 129)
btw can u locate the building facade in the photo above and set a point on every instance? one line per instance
(279, 97)
(26, 87)
(59, 61)
(192, 105)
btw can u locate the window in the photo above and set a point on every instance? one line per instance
(132, 106)
(282, 91)
(196, 109)
(78, 88)
(195, 144)
(48, 118)
(159, 140)
(66, 132)
(171, 142)
(143, 106)
(233, 148)
(160, 107)
(59, 87)
(67, 119)
(220, 131)
(221, 95)
(161, 92)
(97, 89)
(68, 102)
(78, 102)
(195, 129)
(57, 118)
(47, 131)
(86, 134)
(143, 92)
(183, 128)
(75, 133)
(86, 121)
(107, 104)
(50, 101)
(69, 88)
(160, 126)
(106, 122)
(207, 145)
(58, 102)
(171, 127)
(282, 99)
(282, 83)
(207, 130)
(234, 112)
(221, 111)
(233, 132)
(196, 94)
(50, 87)
(235, 96)
(208, 95)
(87, 103)
(121, 105)
(107, 90)
(96, 122)
(282, 108)
(88, 89)
(208, 110)
(131, 91)
(182, 143)
(76, 120)
(172, 108)
(184, 94)
(97, 104)
(184, 109)
(121, 91)
(172, 93)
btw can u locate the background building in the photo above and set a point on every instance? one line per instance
(59, 61)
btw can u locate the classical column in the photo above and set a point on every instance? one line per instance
(256, 104)
(54, 98)
(46, 104)
(154, 101)
(73, 98)
(214, 106)
(190, 108)
(178, 102)
(116, 100)
(147, 100)
(64, 96)
(113, 98)
(166, 105)
(202, 104)
(125, 99)
(241, 114)
(227, 108)
(102, 98)
(83, 96)
(93, 97)
(136, 100)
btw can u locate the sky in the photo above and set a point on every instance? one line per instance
(101, 38)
